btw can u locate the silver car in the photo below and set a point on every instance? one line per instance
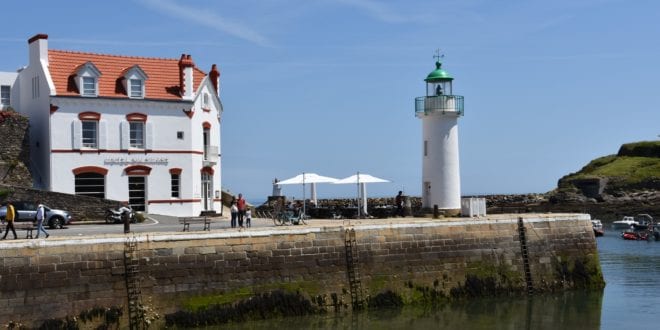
(27, 211)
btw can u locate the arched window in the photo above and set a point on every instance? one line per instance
(90, 184)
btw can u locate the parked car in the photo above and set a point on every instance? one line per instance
(27, 211)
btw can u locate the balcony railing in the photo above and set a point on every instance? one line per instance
(211, 154)
(444, 104)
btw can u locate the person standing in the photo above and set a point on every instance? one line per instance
(234, 212)
(41, 215)
(248, 217)
(9, 217)
(240, 203)
(398, 200)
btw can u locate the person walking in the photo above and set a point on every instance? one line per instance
(240, 203)
(234, 212)
(41, 215)
(9, 217)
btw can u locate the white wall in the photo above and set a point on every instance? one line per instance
(441, 165)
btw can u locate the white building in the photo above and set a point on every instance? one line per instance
(439, 111)
(135, 129)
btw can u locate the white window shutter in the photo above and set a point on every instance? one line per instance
(103, 141)
(149, 136)
(125, 135)
(76, 138)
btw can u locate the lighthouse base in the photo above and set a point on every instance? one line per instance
(430, 212)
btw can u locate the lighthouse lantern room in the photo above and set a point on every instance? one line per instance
(439, 111)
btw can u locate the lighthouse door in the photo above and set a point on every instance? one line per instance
(426, 198)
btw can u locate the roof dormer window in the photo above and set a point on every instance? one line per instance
(87, 79)
(134, 82)
(137, 88)
(89, 86)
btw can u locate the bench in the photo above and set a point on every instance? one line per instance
(27, 226)
(188, 220)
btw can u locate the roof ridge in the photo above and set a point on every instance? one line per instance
(113, 55)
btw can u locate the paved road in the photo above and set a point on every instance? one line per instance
(154, 223)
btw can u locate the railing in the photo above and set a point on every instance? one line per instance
(445, 104)
(211, 154)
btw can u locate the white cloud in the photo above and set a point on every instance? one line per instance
(203, 16)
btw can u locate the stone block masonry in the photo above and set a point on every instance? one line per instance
(55, 278)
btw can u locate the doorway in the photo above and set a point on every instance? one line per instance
(137, 193)
(207, 191)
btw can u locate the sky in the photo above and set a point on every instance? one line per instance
(328, 86)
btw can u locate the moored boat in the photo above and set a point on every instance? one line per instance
(625, 223)
(598, 227)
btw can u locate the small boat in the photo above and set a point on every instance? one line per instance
(643, 222)
(598, 227)
(625, 223)
(634, 236)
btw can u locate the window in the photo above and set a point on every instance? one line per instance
(90, 134)
(136, 137)
(205, 101)
(179, 135)
(35, 87)
(426, 148)
(90, 184)
(89, 86)
(136, 88)
(5, 93)
(175, 185)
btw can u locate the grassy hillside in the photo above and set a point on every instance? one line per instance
(636, 166)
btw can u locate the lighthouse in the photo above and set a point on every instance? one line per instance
(439, 111)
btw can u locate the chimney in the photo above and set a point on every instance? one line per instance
(214, 75)
(186, 76)
(38, 48)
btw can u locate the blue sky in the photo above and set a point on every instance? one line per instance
(328, 86)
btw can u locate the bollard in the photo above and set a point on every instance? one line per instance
(127, 223)
(436, 212)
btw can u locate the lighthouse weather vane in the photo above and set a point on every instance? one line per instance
(438, 55)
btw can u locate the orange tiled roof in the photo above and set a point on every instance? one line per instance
(162, 73)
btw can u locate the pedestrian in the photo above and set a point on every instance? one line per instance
(234, 212)
(240, 203)
(41, 214)
(9, 217)
(398, 200)
(248, 217)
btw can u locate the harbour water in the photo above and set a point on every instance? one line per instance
(630, 300)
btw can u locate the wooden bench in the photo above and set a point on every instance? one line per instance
(27, 226)
(188, 220)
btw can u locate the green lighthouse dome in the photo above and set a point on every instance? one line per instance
(438, 74)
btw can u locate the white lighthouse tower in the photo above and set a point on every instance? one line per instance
(439, 111)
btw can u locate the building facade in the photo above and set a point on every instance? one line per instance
(135, 129)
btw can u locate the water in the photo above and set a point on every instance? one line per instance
(630, 300)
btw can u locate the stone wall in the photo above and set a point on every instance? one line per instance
(14, 149)
(61, 277)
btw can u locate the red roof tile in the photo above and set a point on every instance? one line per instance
(162, 81)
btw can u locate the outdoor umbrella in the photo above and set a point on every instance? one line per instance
(304, 178)
(361, 179)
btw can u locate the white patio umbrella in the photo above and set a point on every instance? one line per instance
(360, 179)
(304, 178)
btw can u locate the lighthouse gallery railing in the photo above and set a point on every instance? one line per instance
(439, 103)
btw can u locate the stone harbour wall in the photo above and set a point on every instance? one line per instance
(414, 258)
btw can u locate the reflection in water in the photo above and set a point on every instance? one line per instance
(573, 310)
(630, 300)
